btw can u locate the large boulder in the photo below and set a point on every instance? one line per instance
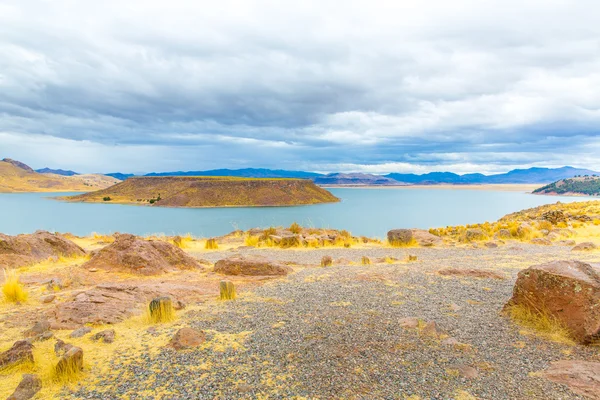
(582, 377)
(585, 246)
(405, 237)
(567, 290)
(21, 351)
(70, 362)
(186, 338)
(28, 387)
(129, 253)
(250, 265)
(26, 249)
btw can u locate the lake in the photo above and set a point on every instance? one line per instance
(362, 211)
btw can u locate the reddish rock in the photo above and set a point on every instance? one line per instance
(61, 347)
(409, 323)
(38, 328)
(21, 351)
(466, 371)
(21, 250)
(106, 336)
(403, 237)
(129, 253)
(582, 377)
(567, 290)
(541, 242)
(30, 384)
(250, 265)
(585, 246)
(71, 361)
(186, 338)
(470, 273)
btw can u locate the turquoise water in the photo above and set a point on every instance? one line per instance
(368, 212)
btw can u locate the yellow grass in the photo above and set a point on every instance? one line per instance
(365, 260)
(295, 228)
(211, 244)
(227, 290)
(164, 313)
(250, 240)
(395, 243)
(542, 323)
(13, 290)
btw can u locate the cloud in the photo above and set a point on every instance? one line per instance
(370, 85)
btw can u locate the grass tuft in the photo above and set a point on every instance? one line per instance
(250, 240)
(365, 260)
(211, 244)
(326, 261)
(295, 228)
(227, 290)
(159, 311)
(13, 290)
(541, 322)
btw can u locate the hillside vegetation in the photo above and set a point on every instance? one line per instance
(580, 185)
(210, 192)
(18, 177)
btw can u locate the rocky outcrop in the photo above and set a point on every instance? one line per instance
(585, 246)
(21, 351)
(129, 253)
(567, 290)
(28, 387)
(27, 249)
(474, 234)
(110, 303)
(582, 377)
(19, 164)
(251, 265)
(186, 338)
(406, 237)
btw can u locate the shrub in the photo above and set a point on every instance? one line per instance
(365, 260)
(13, 290)
(160, 310)
(295, 228)
(211, 244)
(326, 261)
(250, 240)
(107, 198)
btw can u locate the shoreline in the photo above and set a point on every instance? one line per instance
(503, 187)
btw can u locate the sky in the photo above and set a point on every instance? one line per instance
(353, 86)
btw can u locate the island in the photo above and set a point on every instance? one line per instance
(588, 185)
(202, 191)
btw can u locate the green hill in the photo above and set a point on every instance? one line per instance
(579, 185)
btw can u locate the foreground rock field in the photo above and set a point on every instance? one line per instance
(318, 315)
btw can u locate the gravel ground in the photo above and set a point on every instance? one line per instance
(335, 332)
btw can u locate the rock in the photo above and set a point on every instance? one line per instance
(450, 341)
(466, 371)
(109, 303)
(250, 265)
(80, 332)
(44, 336)
(21, 351)
(473, 234)
(30, 384)
(567, 290)
(70, 362)
(470, 273)
(55, 284)
(48, 298)
(541, 242)
(582, 377)
(61, 347)
(524, 230)
(405, 237)
(343, 261)
(554, 216)
(585, 246)
(490, 245)
(409, 323)
(178, 305)
(38, 328)
(106, 336)
(186, 338)
(503, 234)
(16, 251)
(566, 243)
(132, 254)
(326, 261)
(430, 329)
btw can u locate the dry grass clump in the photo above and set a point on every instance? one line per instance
(227, 290)
(295, 228)
(211, 244)
(541, 322)
(326, 261)
(183, 242)
(13, 290)
(365, 260)
(103, 238)
(159, 311)
(250, 240)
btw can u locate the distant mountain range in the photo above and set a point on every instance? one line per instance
(56, 171)
(530, 175)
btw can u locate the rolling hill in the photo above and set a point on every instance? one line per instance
(18, 177)
(183, 191)
(578, 186)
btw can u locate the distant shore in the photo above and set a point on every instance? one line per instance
(503, 187)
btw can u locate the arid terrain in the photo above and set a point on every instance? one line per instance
(18, 177)
(178, 191)
(318, 313)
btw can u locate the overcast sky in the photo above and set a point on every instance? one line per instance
(374, 86)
